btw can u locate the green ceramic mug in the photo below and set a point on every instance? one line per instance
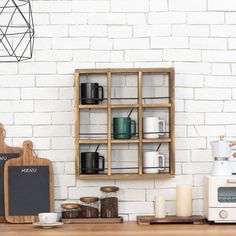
(123, 127)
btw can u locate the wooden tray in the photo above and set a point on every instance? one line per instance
(146, 220)
(93, 220)
(28, 187)
(10, 152)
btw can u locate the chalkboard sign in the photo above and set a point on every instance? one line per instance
(28, 187)
(3, 158)
(29, 192)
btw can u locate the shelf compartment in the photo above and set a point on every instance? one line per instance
(127, 176)
(93, 141)
(98, 106)
(161, 105)
(159, 140)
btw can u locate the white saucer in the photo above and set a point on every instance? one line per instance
(46, 225)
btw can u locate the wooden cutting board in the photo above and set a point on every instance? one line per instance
(6, 153)
(28, 187)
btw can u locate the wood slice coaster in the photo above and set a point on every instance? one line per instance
(195, 219)
(93, 220)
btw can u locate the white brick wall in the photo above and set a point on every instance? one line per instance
(196, 37)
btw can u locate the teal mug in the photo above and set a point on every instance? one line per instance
(123, 128)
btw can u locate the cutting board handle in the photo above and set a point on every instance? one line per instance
(232, 143)
(28, 158)
(2, 137)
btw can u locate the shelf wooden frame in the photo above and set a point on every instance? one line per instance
(170, 105)
(127, 176)
(123, 106)
(118, 141)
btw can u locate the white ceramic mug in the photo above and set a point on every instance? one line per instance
(153, 162)
(153, 127)
(47, 218)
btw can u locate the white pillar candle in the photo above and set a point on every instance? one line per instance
(184, 200)
(159, 207)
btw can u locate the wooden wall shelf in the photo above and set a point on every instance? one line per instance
(139, 106)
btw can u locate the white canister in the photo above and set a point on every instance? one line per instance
(184, 200)
(153, 127)
(159, 207)
(153, 162)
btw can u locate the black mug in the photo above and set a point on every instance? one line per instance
(90, 163)
(91, 93)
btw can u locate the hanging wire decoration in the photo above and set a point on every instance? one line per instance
(16, 30)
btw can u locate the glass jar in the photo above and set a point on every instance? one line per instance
(70, 210)
(89, 207)
(109, 202)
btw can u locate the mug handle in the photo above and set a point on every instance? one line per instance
(133, 127)
(162, 124)
(103, 163)
(162, 162)
(100, 88)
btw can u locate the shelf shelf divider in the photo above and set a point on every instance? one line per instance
(109, 123)
(156, 105)
(99, 106)
(123, 70)
(128, 176)
(93, 141)
(172, 120)
(140, 124)
(125, 141)
(158, 140)
(120, 106)
(77, 124)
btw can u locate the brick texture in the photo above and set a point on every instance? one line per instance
(196, 37)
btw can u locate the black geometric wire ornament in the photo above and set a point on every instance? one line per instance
(16, 30)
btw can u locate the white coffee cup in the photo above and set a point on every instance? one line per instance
(47, 218)
(153, 162)
(153, 127)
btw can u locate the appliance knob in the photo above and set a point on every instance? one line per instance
(223, 214)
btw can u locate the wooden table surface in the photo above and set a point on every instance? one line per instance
(130, 229)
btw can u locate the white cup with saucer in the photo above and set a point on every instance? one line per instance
(47, 218)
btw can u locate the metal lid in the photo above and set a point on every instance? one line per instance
(109, 189)
(89, 199)
(70, 206)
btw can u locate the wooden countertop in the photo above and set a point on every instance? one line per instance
(130, 229)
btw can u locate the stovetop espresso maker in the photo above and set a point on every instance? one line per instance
(222, 152)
